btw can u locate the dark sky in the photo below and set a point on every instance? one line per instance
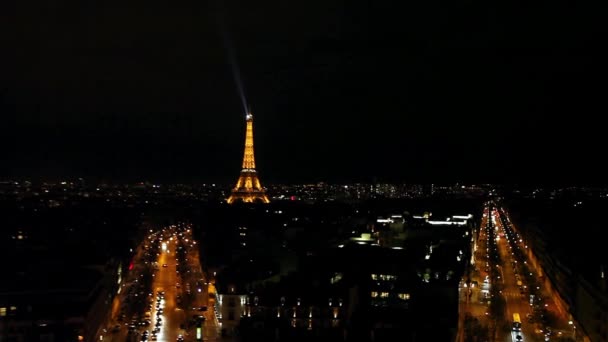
(474, 91)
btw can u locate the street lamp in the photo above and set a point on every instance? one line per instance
(573, 329)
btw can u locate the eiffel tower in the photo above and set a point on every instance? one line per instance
(248, 188)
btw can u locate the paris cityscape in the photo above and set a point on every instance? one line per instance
(348, 262)
(333, 171)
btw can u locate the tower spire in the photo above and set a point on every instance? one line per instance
(248, 187)
(248, 156)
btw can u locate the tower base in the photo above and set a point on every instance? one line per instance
(248, 197)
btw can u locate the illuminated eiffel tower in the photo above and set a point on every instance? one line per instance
(248, 188)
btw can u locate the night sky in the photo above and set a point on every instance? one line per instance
(441, 91)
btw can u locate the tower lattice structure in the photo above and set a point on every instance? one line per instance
(248, 188)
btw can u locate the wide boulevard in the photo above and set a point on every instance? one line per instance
(165, 294)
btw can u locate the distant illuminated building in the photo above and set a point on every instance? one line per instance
(248, 188)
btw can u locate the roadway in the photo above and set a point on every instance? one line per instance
(165, 280)
(495, 272)
(515, 300)
(545, 311)
(168, 317)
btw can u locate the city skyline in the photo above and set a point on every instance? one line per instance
(427, 170)
(407, 250)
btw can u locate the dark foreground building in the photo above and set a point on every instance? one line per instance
(54, 304)
(396, 281)
(63, 262)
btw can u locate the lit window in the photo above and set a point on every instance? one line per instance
(374, 294)
(2, 312)
(374, 277)
(404, 296)
(13, 308)
(384, 294)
